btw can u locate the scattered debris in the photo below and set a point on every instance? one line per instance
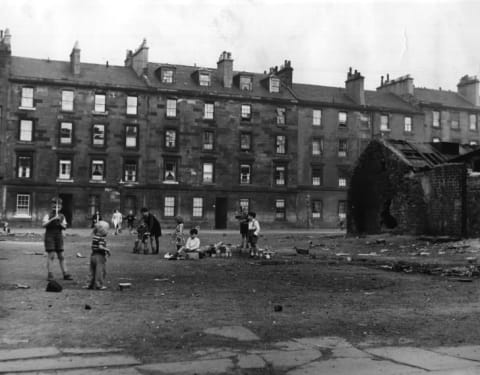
(88, 307)
(79, 255)
(161, 279)
(22, 286)
(123, 286)
(277, 308)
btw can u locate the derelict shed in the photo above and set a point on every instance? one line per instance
(389, 189)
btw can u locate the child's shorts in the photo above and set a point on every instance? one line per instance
(54, 243)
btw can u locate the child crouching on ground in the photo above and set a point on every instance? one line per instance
(98, 259)
(142, 243)
(192, 245)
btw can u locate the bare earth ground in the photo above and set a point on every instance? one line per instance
(327, 294)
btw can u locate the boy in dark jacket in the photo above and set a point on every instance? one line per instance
(153, 227)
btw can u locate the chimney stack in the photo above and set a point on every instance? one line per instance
(355, 86)
(225, 69)
(468, 87)
(286, 73)
(399, 86)
(138, 60)
(75, 59)
(5, 40)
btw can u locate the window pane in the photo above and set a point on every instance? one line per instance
(281, 116)
(130, 171)
(342, 148)
(170, 138)
(208, 111)
(167, 76)
(473, 122)
(204, 79)
(99, 103)
(317, 117)
(246, 111)
(317, 209)
(245, 141)
(245, 83)
(274, 85)
(280, 175)
(316, 177)
(208, 140)
(244, 204)
(98, 135)
(342, 210)
(408, 124)
(280, 144)
(169, 207)
(317, 147)
(66, 130)
(131, 136)
(27, 97)
(207, 172)
(23, 204)
(197, 207)
(171, 107)
(67, 100)
(97, 170)
(24, 166)
(26, 129)
(342, 118)
(65, 168)
(436, 119)
(132, 105)
(245, 174)
(170, 170)
(280, 209)
(384, 122)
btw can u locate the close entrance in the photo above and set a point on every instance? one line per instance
(221, 213)
(67, 207)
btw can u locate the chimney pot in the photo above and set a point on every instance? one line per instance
(388, 77)
(381, 81)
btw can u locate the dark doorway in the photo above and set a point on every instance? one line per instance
(67, 207)
(130, 204)
(221, 213)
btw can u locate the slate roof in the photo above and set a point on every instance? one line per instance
(441, 97)
(89, 73)
(324, 94)
(185, 80)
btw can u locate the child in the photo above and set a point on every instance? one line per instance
(130, 220)
(117, 219)
(178, 233)
(98, 259)
(192, 244)
(54, 224)
(253, 232)
(142, 243)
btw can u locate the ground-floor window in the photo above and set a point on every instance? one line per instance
(169, 207)
(244, 204)
(342, 209)
(317, 209)
(197, 207)
(280, 209)
(23, 205)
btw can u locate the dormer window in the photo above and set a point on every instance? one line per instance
(274, 84)
(245, 83)
(204, 79)
(167, 75)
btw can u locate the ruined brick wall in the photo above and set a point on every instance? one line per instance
(473, 206)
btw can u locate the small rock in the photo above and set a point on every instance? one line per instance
(88, 307)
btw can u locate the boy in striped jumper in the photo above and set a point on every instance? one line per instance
(98, 259)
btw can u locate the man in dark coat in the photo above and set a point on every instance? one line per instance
(153, 227)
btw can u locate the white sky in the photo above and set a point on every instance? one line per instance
(436, 42)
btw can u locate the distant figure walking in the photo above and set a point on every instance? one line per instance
(96, 218)
(130, 221)
(117, 219)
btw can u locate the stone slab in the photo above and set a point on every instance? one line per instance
(290, 345)
(421, 358)
(214, 366)
(361, 366)
(468, 352)
(286, 359)
(66, 362)
(80, 351)
(324, 342)
(249, 361)
(10, 354)
(85, 371)
(349, 353)
(235, 332)
(463, 371)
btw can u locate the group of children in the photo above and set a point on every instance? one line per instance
(149, 229)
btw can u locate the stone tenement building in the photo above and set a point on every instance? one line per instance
(200, 142)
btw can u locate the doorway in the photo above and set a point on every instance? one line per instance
(221, 213)
(67, 207)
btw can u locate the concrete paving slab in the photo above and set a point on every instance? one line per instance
(220, 354)
(214, 366)
(86, 371)
(236, 332)
(463, 371)
(324, 342)
(249, 361)
(89, 350)
(286, 359)
(349, 353)
(66, 362)
(9, 354)
(290, 345)
(421, 358)
(360, 366)
(468, 352)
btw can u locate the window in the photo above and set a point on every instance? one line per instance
(65, 169)
(317, 147)
(245, 173)
(27, 97)
(26, 131)
(208, 111)
(245, 141)
(100, 103)
(317, 208)
(317, 176)
(167, 75)
(435, 140)
(207, 173)
(342, 181)
(365, 120)
(208, 140)
(407, 124)
(384, 125)
(131, 136)
(454, 120)
(246, 112)
(132, 103)
(472, 121)
(171, 138)
(204, 79)
(93, 204)
(171, 107)
(342, 210)
(274, 84)
(280, 209)
(473, 143)
(342, 118)
(169, 207)
(67, 100)
(280, 144)
(342, 148)
(23, 205)
(281, 116)
(170, 170)
(436, 119)
(197, 207)
(280, 175)
(98, 135)
(130, 171)
(98, 170)
(245, 83)
(24, 166)
(317, 117)
(66, 133)
(244, 204)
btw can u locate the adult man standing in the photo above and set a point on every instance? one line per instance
(153, 227)
(54, 224)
